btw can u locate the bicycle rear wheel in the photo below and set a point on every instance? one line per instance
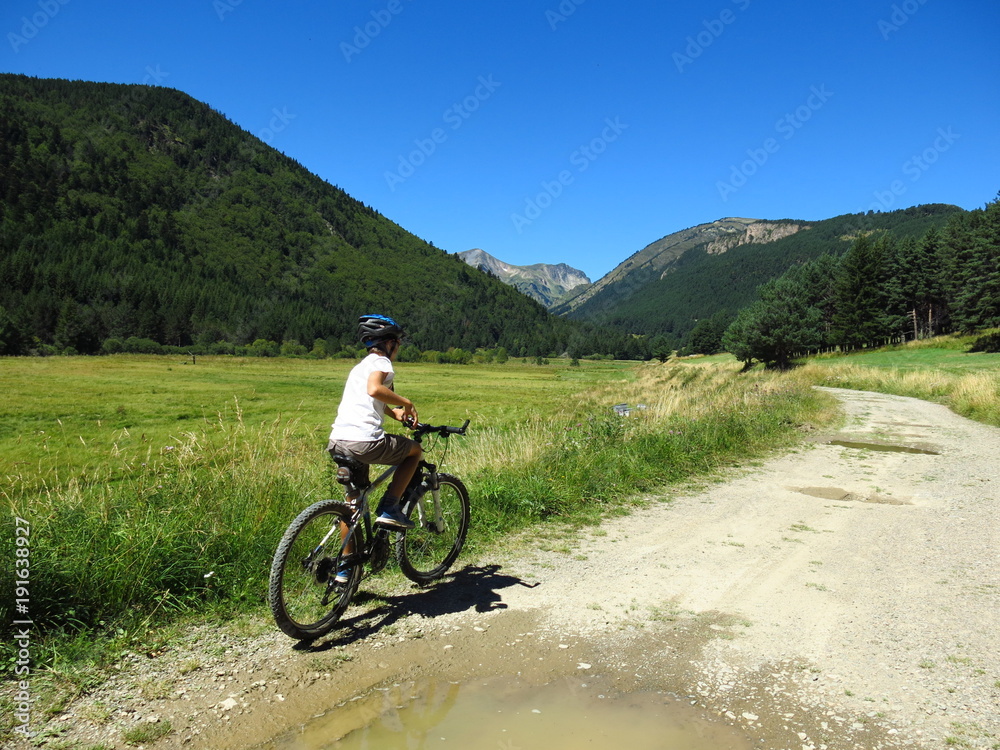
(303, 593)
(427, 551)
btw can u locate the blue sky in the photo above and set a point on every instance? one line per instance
(573, 131)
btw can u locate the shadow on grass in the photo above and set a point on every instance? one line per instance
(471, 588)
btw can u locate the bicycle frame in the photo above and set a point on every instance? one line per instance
(426, 471)
(361, 512)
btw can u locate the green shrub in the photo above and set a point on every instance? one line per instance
(989, 342)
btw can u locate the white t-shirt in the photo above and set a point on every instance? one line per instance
(359, 416)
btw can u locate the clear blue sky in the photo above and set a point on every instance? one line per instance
(573, 131)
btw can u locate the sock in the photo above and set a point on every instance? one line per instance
(388, 503)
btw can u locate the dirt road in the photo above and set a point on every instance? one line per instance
(863, 581)
(845, 595)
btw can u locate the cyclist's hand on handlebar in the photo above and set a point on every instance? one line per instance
(408, 415)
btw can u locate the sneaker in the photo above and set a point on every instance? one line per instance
(343, 575)
(394, 518)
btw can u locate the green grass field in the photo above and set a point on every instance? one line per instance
(157, 488)
(63, 416)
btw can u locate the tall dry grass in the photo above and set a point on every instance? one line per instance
(587, 460)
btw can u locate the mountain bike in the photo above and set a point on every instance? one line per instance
(322, 556)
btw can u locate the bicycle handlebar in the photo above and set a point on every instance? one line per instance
(421, 428)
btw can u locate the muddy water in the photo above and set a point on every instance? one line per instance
(505, 714)
(882, 447)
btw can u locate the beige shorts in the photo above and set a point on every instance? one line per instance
(390, 450)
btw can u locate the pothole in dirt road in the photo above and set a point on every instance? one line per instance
(507, 713)
(836, 493)
(882, 447)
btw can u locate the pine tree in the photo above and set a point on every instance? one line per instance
(779, 327)
(861, 298)
(69, 328)
(12, 340)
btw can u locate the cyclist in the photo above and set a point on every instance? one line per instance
(368, 395)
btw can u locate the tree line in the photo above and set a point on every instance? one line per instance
(883, 290)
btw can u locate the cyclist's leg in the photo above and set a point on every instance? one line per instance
(392, 450)
(344, 573)
(303, 595)
(352, 494)
(408, 467)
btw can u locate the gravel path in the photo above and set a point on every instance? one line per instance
(868, 577)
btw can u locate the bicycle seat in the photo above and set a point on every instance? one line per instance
(350, 471)
(347, 461)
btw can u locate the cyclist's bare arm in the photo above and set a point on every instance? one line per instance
(377, 388)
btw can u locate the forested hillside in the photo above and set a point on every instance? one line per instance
(706, 288)
(887, 288)
(136, 213)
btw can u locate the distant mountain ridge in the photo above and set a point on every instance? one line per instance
(714, 269)
(657, 258)
(137, 212)
(549, 284)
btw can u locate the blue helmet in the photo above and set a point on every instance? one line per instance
(375, 328)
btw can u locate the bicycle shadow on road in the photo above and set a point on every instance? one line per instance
(471, 588)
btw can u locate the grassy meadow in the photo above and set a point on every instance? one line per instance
(156, 486)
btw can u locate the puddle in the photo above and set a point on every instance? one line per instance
(836, 493)
(881, 447)
(504, 714)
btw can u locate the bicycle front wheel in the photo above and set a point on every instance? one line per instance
(427, 551)
(305, 597)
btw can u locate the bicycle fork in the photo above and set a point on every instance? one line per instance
(429, 486)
